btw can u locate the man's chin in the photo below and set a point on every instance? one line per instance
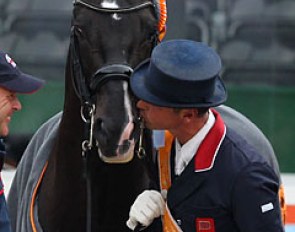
(4, 131)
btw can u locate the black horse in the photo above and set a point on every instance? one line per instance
(89, 176)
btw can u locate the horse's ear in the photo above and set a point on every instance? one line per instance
(162, 17)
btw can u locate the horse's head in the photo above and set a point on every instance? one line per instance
(109, 38)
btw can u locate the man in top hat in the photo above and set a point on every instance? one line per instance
(210, 179)
(12, 82)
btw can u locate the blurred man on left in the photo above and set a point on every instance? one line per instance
(12, 82)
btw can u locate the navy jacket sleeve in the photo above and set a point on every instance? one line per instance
(255, 200)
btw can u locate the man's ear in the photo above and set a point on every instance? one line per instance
(189, 114)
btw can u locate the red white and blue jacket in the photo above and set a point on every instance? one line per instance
(227, 187)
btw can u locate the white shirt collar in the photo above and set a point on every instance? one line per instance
(186, 152)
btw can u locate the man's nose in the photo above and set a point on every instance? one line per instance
(16, 104)
(141, 104)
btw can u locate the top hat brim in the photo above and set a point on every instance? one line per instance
(139, 88)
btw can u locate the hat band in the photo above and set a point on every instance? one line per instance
(197, 91)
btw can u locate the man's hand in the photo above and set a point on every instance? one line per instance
(147, 206)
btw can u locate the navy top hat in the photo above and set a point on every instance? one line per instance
(180, 74)
(13, 79)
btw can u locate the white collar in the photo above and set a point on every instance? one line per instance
(184, 153)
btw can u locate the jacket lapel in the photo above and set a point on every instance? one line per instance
(195, 173)
(185, 185)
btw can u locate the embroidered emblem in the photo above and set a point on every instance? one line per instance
(205, 225)
(10, 61)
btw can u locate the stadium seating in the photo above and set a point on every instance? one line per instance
(36, 34)
(44, 55)
(261, 36)
(30, 17)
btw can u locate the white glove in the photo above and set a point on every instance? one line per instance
(146, 207)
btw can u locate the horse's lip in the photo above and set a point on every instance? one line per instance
(119, 157)
(125, 158)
